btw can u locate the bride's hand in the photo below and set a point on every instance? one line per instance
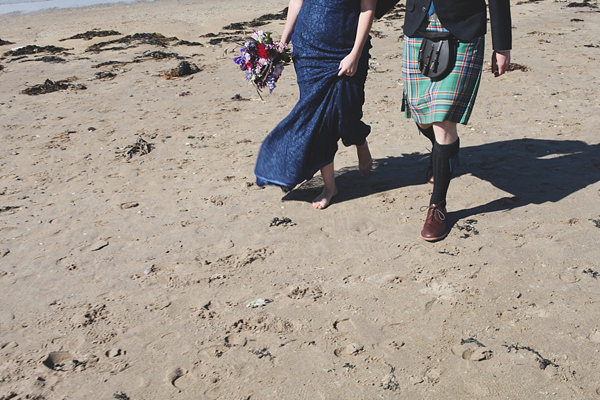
(349, 65)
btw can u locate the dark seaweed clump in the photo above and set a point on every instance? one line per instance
(592, 273)
(105, 75)
(5, 42)
(1, 67)
(224, 37)
(33, 49)
(92, 34)
(584, 3)
(214, 35)
(472, 340)
(51, 86)
(155, 39)
(187, 43)
(285, 221)
(469, 228)
(543, 362)
(517, 67)
(184, 68)
(228, 39)
(159, 55)
(140, 147)
(260, 21)
(115, 63)
(48, 59)
(396, 13)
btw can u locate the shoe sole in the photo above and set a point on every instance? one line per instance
(435, 239)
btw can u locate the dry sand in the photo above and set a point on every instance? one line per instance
(130, 278)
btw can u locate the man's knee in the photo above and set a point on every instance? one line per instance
(445, 132)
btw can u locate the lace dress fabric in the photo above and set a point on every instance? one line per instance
(329, 107)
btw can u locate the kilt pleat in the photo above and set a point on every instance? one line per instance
(449, 99)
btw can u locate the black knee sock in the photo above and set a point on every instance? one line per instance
(428, 133)
(445, 161)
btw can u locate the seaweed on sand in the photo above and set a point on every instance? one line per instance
(584, 3)
(92, 34)
(187, 43)
(221, 37)
(48, 59)
(159, 55)
(5, 42)
(228, 39)
(592, 273)
(140, 147)
(517, 67)
(260, 21)
(115, 63)
(184, 68)
(543, 362)
(105, 75)
(53, 86)
(396, 13)
(155, 39)
(34, 49)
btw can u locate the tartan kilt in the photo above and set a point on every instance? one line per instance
(450, 99)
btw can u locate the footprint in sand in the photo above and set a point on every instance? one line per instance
(56, 360)
(472, 351)
(343, 325)
(8, 346)
(595, 337)
(392, 335)
(181, 379)
(569, 277)
(234, 340)
(352, 349)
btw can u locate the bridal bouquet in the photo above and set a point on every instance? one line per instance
(263, 60)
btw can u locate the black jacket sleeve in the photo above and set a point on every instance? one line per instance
(501, 24)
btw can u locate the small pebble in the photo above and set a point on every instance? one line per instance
(258, 303)
(130, 204)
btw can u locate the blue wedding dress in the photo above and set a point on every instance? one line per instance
(330, 106)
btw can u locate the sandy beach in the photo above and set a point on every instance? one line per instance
(139, 260)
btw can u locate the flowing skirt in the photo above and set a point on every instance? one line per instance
(330, 106)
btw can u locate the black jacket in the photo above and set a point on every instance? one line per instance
(465, 19)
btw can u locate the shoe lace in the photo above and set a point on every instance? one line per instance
(436, 210)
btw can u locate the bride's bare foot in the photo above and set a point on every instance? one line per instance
(365, 161)
(329, 189)
(324, 199)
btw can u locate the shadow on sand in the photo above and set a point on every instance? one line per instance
(533, 171)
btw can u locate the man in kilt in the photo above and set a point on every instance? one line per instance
(439, 105)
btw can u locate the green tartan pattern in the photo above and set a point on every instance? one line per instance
(450, 99)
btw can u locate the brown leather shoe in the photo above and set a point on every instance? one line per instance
(435, 227)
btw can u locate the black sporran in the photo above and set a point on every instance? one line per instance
(437, 54)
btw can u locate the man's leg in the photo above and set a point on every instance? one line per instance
(444, 161)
